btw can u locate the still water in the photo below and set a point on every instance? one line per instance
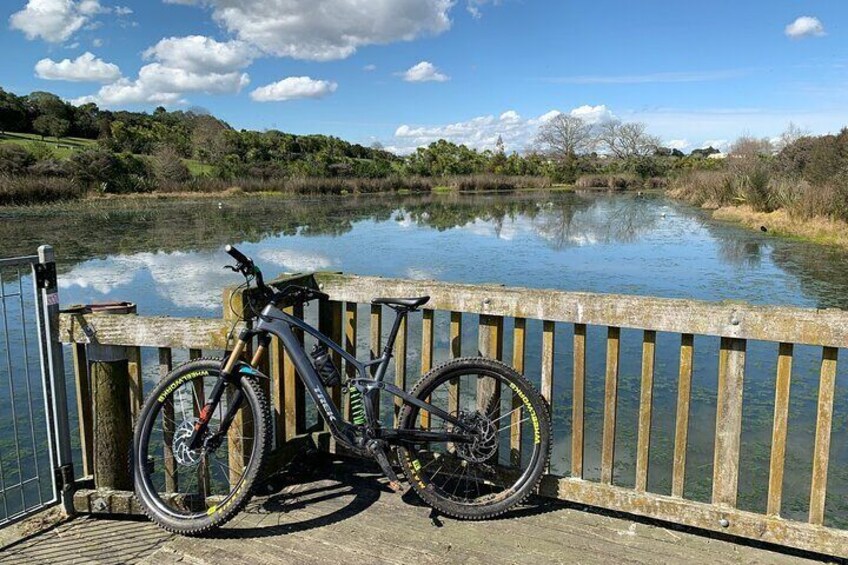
(166, 256)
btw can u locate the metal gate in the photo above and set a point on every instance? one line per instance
(35, 452)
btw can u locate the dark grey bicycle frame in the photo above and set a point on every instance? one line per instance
(274, 321)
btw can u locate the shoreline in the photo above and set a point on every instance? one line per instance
(818, 230)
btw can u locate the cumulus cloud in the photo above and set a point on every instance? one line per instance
(296, 261)
(323, 30)
(679, 144)
(483, 132)
(181, 65)
(200, 54)
(85, 68)
(805, 26)
(292, 88)
(53, 20)
(424, 72)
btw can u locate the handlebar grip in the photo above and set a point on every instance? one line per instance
(238, 255)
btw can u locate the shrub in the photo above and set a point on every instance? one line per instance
(34, 190)
(49, 168)
(169, 166)
(14, 159)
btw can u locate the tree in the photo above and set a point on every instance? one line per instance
(792, 134)
(48, 124)
(13, 116)
(563, 136)
(627, 139)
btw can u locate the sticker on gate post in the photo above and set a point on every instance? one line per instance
(53, 299)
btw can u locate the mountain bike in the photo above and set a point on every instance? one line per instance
(203, 433)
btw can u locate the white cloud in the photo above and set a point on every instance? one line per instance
(292, 88)
(85, 68)
(97, 42)
(424, 72)
(679, 144)
(805, 26)
(593, 114)
(324, 30)
(53, 20)
(369, 68)
(720, 144)
(200, 54)
(482, 132)
(181, 65)
(123, 10)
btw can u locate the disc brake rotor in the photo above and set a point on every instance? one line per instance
(185, 456)
(485, 442)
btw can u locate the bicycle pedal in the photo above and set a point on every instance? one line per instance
(383, 461)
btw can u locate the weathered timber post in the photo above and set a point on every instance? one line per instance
(109, 372)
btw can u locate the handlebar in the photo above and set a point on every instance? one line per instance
(238, 255)
(247, 267)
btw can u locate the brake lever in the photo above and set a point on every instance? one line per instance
(232, 268)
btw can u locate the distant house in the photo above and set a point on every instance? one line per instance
(717, 156)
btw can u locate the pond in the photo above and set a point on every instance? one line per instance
(166, 255)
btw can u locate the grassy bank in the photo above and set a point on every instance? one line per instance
(28, 190)
(826, 231)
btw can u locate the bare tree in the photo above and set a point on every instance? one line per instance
(749, 146)
(565, 136)
(792, 134)
(628, 139)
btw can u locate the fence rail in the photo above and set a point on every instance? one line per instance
(735, 324)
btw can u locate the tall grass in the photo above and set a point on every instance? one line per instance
(21, 190)
(310, 185)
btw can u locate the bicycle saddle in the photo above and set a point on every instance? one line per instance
(410, 303)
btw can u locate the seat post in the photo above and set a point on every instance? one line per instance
(401, 313)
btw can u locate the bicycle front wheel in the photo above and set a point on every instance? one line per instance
(506, 460)
(189, 491)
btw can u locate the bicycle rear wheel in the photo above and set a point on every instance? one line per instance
(190, 491)
(503, 465)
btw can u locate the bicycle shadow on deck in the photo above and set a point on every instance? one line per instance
(319, 485)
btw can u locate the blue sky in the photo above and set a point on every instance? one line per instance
(405, 72)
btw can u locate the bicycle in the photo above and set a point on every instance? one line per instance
(203, 433)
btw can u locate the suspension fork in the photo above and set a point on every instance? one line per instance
(218, 391)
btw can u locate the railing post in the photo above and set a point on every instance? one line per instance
(728, 433)
(53, 366)
(110, 378)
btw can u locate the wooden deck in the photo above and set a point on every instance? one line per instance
(342, 512)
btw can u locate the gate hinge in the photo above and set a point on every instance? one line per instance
(45, 275)
(65, 477)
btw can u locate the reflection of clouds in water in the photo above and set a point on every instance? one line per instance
(506, 229)
(295, 261)
(404, 220)
(186, 279)
(423, 273)
(101, 275)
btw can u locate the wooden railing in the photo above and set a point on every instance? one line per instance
(736, 325)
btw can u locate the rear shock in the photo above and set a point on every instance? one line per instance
(357, 408)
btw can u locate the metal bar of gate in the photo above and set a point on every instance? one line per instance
(22, 474)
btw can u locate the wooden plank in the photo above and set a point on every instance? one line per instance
(771, 323)
(778, 437)
(731, 373)
(136, 382)
(490, 344)
(278, 391)
(681, 429)
(726, 520)
(168, 425)
(548, 353)
(147, 331)
(824, 421)
(610, 404)
(84, 400)
(350, 346)
(376, 347)
(400, 365)
(426, 354)
(330, 324)
(643, 442)
(455, 353)
(294, 393)
(577, 408)
(519, 337)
